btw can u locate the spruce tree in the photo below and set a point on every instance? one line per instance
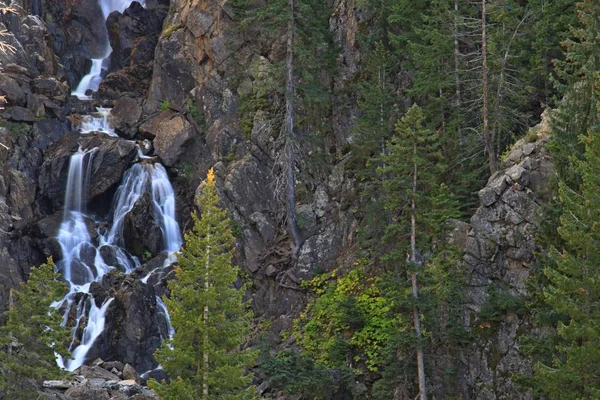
(576, 80)
(573, 289)
(205, 359)
(419, 205)
(32, 335)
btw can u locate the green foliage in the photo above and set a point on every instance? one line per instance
(32, 335)
(164, 105)
(576, 77)
(312, 40)
(210, 319)
(14, 128)
(498, 304)
(572, 290)
(195, 113)
(349, 323)
(297, 373)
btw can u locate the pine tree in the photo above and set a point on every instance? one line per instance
(417, 201)
(205, 358)
(32, 335)
(573, 289)
(576, 80)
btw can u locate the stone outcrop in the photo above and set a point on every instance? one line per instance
(171, 133)
(101, 381)
(133, 37)
(499, 256)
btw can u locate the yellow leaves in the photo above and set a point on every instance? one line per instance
(210, 178)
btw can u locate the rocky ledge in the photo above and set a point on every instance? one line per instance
(100, 381)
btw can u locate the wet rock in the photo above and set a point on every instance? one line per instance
(133, 36)
(141, 232)
(108, 164)
(131, 333)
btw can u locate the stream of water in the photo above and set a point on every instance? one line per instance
(84, 256)
(91, 81)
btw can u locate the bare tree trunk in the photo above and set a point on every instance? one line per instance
(415, 287)
(484, 85)
(290, 140)
(456, 56)
(205, 320)
(500, 93)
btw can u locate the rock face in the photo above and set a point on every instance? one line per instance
(109, 162)
(499, 255)
(133, 37)
(171, 133)
(132, 329)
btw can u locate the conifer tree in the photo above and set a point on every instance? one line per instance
(573, 290)
(576, 80)
(417, 201)
(205, 358)
(32, 335)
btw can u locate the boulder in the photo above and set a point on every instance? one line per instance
(171, 133)
(131, 333)
(21, 114)
(141, 232)
(51, 87)
(129, 373)
(13, 92)
(125, 116)
(85, 392)
(96, 372)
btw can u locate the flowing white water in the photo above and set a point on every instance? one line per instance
(133, 186)
(84, 260)
(163, 197)
(166, 328)
(91, 81)
(98, 124)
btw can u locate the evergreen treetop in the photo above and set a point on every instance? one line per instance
(205, 357)
(32, 335)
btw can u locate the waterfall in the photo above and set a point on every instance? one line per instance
(82, 260)
(91, 124)
(127, 195)
(91, 81)
(163, 198)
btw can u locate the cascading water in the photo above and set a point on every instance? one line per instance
(82, 257)
(91, 81)
(91, 124)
